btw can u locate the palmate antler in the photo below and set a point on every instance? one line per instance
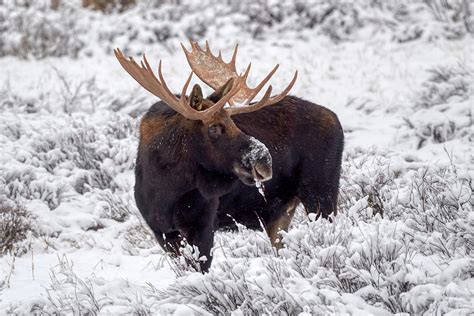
(215, 73)
(146, 78)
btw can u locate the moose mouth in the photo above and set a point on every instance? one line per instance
(259, 172)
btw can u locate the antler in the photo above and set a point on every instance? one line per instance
(146, 78)
(215, 72)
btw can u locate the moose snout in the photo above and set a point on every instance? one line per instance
(255, 164)
(262, 171)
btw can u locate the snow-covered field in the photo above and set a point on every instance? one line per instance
(400, 76)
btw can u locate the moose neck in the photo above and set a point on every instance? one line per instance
(172, 143)
(164, 148)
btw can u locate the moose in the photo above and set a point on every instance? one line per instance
(202, 166)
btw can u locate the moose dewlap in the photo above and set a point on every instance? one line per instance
(200, 165)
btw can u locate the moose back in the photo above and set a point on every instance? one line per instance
(202, 167)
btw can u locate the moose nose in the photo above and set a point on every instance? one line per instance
(262, 171)
(255, 164)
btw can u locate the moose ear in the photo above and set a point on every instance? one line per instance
(222, 91)
(195, 99)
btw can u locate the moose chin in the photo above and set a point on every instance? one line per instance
(201, 166)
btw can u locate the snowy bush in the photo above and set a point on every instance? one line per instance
(22, 183)
(446, 83)
(115, 206)
(108, 5)
(137, 235)
(83, 95)
(14, 226)
(442, 107)
(366, 194)
(439, 204)
(71, 294)
(12, 101)
(454, 11)
(32, 29)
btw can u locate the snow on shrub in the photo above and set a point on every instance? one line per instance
(446, 83)
(137, 235)
(366, 184)
(32, 29)
(21, 183)
(69, 293)
(15, 226)
(52, 160)
(442, 107)
(115, 206)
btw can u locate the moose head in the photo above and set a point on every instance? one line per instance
(219, 146)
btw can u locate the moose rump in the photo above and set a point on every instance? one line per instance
(199, 163)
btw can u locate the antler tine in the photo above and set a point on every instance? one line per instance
(185, 87)
(259, 87)
(234, 56)
(163, 82)
(254, 107)
(167, 96)
(285, 92)
(133, 69)
(244, 77)
(266, 100)
(186, 52)
(246, 73)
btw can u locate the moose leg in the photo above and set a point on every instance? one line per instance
(196, 222)
(169, 242)
(282, 223)
(203, 239)
(322, 204)
(172, 242)
(319, 187)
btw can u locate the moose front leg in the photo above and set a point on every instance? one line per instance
(196, 222)
(171, 242)
(203, 239)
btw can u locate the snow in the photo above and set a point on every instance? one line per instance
(258, 151)
(400, 78)
(261, 189)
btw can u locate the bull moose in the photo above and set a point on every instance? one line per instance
(200, 165)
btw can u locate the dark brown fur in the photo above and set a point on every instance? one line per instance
(186, 187)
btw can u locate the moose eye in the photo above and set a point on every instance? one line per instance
(215, 130)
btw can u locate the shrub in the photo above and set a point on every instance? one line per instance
(69, 294)
(15, 225)
(107, 5)
(33, 29)
(446, 82)
(114, 206)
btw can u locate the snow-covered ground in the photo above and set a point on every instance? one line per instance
(400, 76)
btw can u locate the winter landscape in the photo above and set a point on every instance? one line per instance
(400, 76)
